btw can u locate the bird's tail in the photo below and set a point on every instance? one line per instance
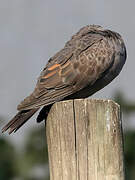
(17, 121)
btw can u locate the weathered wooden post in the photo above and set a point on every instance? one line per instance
(85, 140)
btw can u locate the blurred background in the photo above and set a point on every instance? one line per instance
(30, 33)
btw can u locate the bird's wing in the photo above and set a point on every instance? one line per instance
(69, 71)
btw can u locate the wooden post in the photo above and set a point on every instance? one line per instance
(85, 140)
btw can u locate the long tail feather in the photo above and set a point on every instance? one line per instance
(20, 118)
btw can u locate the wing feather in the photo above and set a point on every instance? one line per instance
(70, 70)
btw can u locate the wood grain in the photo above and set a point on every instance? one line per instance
(85, 140)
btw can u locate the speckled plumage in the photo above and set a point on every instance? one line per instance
(89, 61)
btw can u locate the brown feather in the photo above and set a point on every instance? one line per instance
(72, 76)
(89, 61)
(20, 118)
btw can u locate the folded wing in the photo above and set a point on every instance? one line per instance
(70, 70)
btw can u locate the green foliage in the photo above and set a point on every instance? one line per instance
(27, 164)
(34, 157)
(127, 108)
(126, 105)
(129, 150)
(36, 146)
(7, 160)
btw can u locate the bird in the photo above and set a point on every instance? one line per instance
(89, 61)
